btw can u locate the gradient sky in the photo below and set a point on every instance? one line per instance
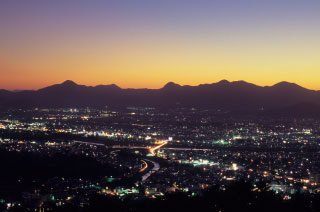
(146, 43)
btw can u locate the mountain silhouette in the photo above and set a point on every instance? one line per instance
(171, 85)
(225, 95)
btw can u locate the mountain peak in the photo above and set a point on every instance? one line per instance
(285, 84)
(171, 85)
(223, 82)
(69, 83)
(112, 86)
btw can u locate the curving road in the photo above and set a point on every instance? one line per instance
(156, 167)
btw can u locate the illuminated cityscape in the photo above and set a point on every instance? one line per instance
(160, 106)
(141, 153)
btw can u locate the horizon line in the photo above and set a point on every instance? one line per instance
(223, 80)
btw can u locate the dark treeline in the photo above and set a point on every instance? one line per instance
(24, 170)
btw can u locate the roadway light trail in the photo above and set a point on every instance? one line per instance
(153, 149)
(145, 166)
(156, 167)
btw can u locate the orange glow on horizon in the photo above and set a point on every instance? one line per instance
(140, 45)
(152, 67)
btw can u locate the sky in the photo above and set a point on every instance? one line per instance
(147, 43)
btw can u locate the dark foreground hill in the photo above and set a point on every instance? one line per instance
(238, 196)
(225, 95)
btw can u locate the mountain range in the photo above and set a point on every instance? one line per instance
(229, 96)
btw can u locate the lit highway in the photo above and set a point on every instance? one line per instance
(144, 167)
(153, 149)
(155, 168)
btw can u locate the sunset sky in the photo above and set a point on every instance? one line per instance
(146, 43)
